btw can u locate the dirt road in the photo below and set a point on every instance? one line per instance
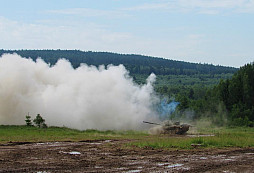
(108, 156)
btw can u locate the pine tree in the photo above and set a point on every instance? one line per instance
(28, 120)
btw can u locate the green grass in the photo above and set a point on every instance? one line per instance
(223, 137)
(34, 134)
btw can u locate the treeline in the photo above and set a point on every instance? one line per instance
(231, 102)
(238, 95)
(136, 64)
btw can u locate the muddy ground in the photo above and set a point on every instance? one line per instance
(109, 156)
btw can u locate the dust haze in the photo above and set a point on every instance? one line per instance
(83, 98)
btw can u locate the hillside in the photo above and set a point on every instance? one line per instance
(136, 64)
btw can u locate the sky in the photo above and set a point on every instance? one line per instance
(219, 32)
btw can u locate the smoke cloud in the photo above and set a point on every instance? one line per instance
(166, 109)
(84, 98)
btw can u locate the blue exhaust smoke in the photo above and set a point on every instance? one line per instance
(166, 109)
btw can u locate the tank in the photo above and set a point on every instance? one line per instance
(175, 128)
(169, 127)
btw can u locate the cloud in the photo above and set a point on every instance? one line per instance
(65, 34)
(89, 36)
(184, 6)
(84, 36)
(219, 6)
(89, 12)
(200, 6)
(150, 6)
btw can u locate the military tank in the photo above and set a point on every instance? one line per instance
(169, 127)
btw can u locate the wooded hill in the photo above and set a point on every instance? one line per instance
(136, 64)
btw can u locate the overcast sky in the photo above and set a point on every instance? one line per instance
(220, 32)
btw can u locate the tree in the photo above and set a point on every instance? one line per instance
(184, 102)
(191, 93)
(28, 120)
(238, 95)
(39, 121)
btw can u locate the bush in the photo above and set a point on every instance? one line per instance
(241, 122)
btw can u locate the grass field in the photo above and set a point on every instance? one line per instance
(219, 140)
(34, 134)
(223, 137)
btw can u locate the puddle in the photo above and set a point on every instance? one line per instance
(185, 168)
(221, 156)
(170, 166)
(162, 164)
(203, 158)
(106, 141)
(47, 143)
(52, 144)
(72, 152)
(174, 165)
(132, 171)
(249, 153)
(95, 143)
(193, 136)
(233, 157)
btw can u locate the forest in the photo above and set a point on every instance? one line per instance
(136, 64)
(231, 102)
(224, 95)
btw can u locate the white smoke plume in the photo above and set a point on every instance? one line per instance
(83, 98)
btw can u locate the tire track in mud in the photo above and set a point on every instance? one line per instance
(110, 156)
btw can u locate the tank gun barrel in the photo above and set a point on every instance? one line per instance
(150, 123)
